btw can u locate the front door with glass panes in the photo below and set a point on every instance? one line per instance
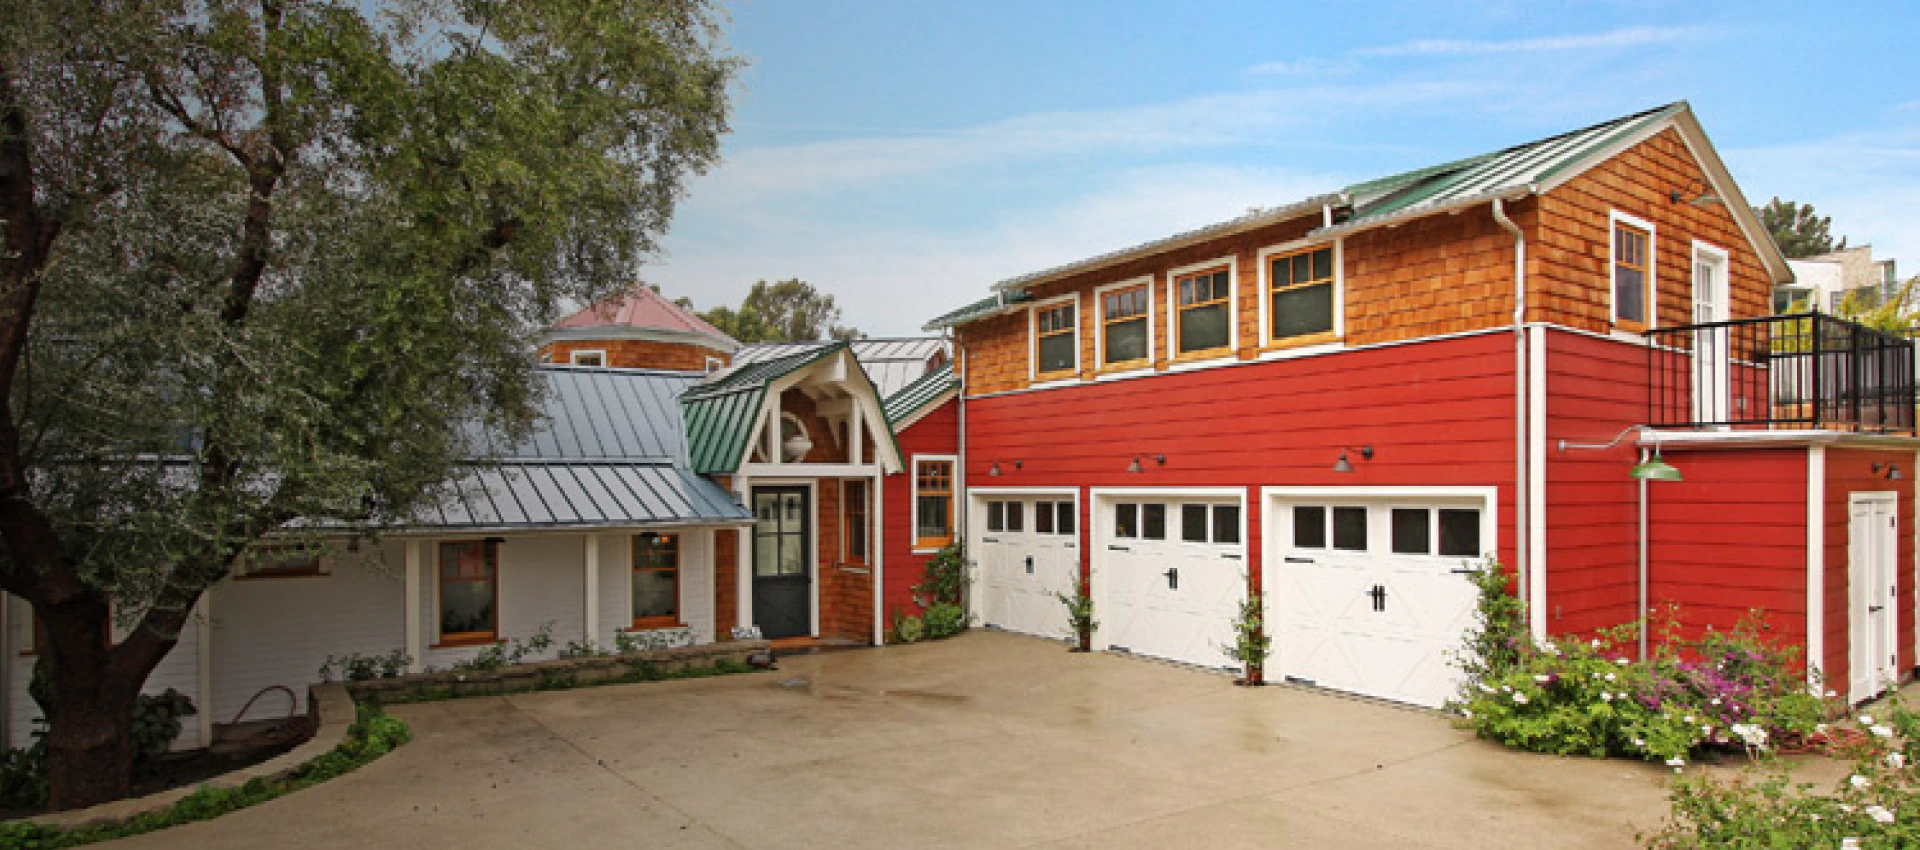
(782, 555)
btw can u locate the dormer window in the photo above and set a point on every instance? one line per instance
(1126, 339)
(1056, 335)
(1203, 321)
(1301, 296)
(595, 358)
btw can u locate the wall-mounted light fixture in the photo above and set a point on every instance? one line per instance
(1650, 468)
(1704, 198)
(1341, 465)
(1136, 467)
(995, 469)
(1889, 471)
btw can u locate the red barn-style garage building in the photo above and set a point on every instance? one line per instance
(1343, 402)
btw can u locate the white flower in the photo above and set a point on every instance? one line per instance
(1519, 699)
(1706, 730)
(1676, 764)
(1716, 700)
(1846, 807)
(1866, 720)
(1858, 781)
(1882, 731)
(1606, 697)
(1549, 647)
(1596, 675)
(1486, 687)
(1620, 661)
(1896, 760)
(1880, 813)
(1640, 742)
(1467, 713)
(1819, 728)
(1507, 688)
(1687, 720)
(1542, 678)
(1832, 694)
(1611, 677)
(1596, 643)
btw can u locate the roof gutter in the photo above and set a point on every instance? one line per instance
(1504, 193)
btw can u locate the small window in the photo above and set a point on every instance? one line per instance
(469, 592)
(1310, 527)
(1632, 277)
(1193, 523)
(1412, 531)
(1126, 520)
(1016, 516)
(1460, 533)
(1153, 522)
(588, 358)
(1226, 523)
(1043, 518)
(1302, 297)
(1123, 323)
(1205, 318)
(932, 503)
(1350, 529)
(1063, 517)
(855, 511)
(996, 516)
(656, 580)
(1055, 351)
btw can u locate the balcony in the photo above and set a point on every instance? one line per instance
(1800, 371)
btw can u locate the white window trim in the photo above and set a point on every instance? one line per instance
(845, 549)
(1100, 324)
(1725, 283)
(1615, 218)
(1033, 339)
(1232, 262)
(953, 502)
(1339, 290)
(573, 357)
(1277, 539)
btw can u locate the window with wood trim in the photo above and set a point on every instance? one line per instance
(1300, 297)
(656, 580)
(932, 503)
(1203, 319)
(594, 358)
(1123, 327)
(854, 510)
(1632, 277)
(469, 592)
(1056, 349)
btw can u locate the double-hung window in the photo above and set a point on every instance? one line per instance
(1203, 312)
(656, 580)
(1632, 271)
(1301, 299)
(932, 503)
(1056, 349)
(1125, 338)
(469, 592)
(854, 509)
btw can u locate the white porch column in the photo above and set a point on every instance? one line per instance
(592, 601)
(877, 546)
(743, 557)
(203, 633)
(416, 650)
(856, 434)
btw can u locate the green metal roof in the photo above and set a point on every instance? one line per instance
(721, 413)
(911, 398)
(978, 309)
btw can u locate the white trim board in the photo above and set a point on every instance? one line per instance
(1816, 563)
(1615, 218)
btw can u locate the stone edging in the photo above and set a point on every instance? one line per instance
(526, 677)
(329, 705)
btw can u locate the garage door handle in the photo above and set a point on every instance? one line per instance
(1872, 608)
(1299, 560)
(1029, 565)
(989, 539)
(1119, 549)
(1464, 571)
(1230, 556)
(1173, 578)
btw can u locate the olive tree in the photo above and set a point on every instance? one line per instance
(269, 266)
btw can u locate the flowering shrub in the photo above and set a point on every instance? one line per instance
(1727, 690)
(1877, 806)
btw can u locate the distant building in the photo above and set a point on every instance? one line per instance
(1828, 278)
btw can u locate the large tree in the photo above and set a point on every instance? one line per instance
(784, 311)
(268, 263)
(1797, 231)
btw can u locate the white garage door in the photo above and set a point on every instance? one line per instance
(1371, 596)
(1028, 550)
(1169, 576)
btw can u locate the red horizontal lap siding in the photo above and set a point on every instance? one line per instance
(1850, 471)
(1436, 413)
(1719, 557)
(937, 433)
(1595, 388)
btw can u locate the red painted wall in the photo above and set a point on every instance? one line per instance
(1437, 413)
(937, 433)
(1732, 538)
(1595, 389)
(1850, 471)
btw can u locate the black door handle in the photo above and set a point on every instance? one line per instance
(1379, 595)
(1113, 548)
(1029, 565)
(1173, 578)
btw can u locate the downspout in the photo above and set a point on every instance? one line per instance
(1644, 457)
(961, 503)
(1521, 496)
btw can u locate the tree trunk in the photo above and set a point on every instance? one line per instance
(88, 700)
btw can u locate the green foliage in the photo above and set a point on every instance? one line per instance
(503, 653)
(945, 620)
(1499, 631)
(940, 595)
(1079, 604)
(1796, 229)
(908, 629)
(785, 311)
(1895, 315)
(23, 774)
(373, 734)
(1877, 805)
(1252, 645)
(156, 722)
(354, 667)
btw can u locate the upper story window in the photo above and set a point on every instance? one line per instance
(1126, 339)
(1301, 296)
(1632, 273)
(588, 358)
(1203, 311)
(1056, 348)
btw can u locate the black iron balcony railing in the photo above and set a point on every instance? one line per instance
(1805, 370)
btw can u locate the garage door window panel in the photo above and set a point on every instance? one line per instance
(1193, 523)
(1153, 522)
(1126, 520)
(1460, 533)
(1016, 516)
(1350, 529)
(996, 516)
(1063, 517)
(1412, 531)
(1226, 523)
(1310, 527)
(1043, 518)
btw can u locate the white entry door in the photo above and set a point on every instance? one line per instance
(1169, 575)
(1872, 594)
(1371, 596)
(1711, 351)
(1028, 549)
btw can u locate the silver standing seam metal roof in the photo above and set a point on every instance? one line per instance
(610, 450)
(933, 387)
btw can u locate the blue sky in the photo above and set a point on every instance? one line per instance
(904, 155)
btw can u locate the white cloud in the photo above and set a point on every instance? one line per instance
(1868, 182)
(1610, 40)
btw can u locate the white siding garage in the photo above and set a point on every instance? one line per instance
(1026, 545)
(1169, 572)
(1366, 587)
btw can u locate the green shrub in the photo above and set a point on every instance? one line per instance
(354, 667)
(156, 723)
(497, 655)
(23, 773)
(1251, 643)
(944, 579)
(944, 620)
(1079, 606)
(908, 629)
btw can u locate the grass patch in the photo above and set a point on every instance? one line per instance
(373, 734)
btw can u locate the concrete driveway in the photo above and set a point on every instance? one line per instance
(987, 740)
